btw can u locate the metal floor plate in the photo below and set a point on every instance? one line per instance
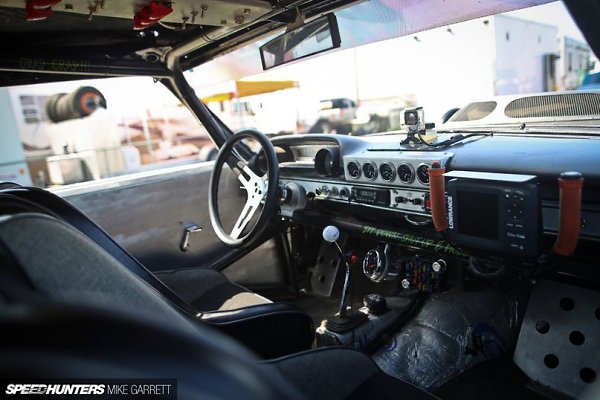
(559, 342)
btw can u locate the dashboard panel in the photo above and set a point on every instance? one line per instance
(378, 173)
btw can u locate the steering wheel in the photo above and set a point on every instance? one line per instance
(260, 187)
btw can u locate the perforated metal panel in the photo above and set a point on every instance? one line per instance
(560, 105)
(559, 343)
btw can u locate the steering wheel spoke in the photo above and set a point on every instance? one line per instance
(251, 175)
(256, 190)
(250, 208)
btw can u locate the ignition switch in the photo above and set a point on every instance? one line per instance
(292, 197)
(284, 194)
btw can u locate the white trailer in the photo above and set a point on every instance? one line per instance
(13, 167)
(500, 55)
(524, 54)
(574, 62)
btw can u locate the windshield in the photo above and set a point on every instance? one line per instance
(463, 66)
(483, 71)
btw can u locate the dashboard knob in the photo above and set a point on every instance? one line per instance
(439, 266)
(344, 192)
(375, 303)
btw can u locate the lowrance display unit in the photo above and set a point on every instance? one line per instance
(494, 212)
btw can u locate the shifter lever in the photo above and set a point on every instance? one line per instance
(331, 234)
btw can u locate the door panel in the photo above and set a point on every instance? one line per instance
(147, 214)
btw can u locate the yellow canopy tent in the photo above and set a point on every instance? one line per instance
(251, 88)
(218, 97)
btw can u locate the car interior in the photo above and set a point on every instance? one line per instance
(453, 262)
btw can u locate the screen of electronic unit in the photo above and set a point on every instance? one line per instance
(371, 196)
(366, 194)
(482, 205)
(494, 213)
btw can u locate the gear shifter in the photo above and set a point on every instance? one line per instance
(331, 234)
(346, 320)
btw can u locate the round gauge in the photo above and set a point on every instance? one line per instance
(406, 173)
(387, 172)
(326, 161)
(374, 266)
(423, 174)
(353, 169)
(370, 170)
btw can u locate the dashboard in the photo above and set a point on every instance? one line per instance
(507, 183)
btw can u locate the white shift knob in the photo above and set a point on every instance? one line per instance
(331, 233)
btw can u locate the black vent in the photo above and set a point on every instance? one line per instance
(559, 105)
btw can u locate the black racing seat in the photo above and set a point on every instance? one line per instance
(209, 290)
(269, 329)
(72, 310)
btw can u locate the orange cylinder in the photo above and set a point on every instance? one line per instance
(437, 193)
(570, 184)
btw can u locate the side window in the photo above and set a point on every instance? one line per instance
(114, 127)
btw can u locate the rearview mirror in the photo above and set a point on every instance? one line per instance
(315, 37)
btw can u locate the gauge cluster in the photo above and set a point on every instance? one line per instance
(349, 172)
(408, 169)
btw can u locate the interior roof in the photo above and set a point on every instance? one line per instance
(111, 43)
(74, 30)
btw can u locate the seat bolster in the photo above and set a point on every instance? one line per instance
(335, 372)
(326, 373)
(61, 341)
(271, 330)
(227, 296)
(66, 265)
(248, 312)
(380, 385)
(207, 289)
